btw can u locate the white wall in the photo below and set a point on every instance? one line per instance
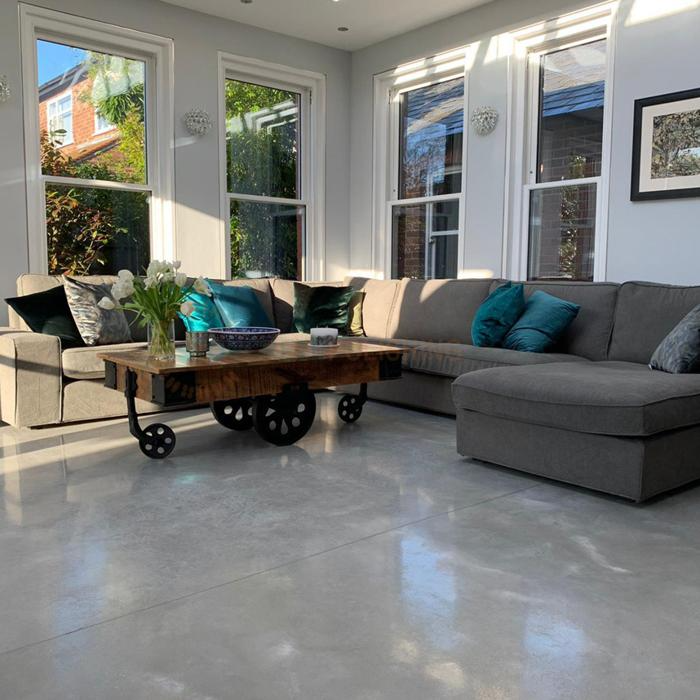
(647, 240)
(197, 38)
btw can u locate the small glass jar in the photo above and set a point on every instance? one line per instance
(197, 343)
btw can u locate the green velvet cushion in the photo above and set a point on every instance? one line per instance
(205, 314)
(497, 315)
(239, 306)
(48, 312)
(321, 307)
(543, 322)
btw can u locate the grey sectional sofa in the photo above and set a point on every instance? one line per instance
(590, 413)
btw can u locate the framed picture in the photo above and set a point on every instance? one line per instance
(666, 149)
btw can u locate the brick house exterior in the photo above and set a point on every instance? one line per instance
(69, 93)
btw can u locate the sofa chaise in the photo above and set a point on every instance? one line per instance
(590, 413)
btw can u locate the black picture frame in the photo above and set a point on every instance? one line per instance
(639, 106)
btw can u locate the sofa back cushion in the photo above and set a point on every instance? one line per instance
(438, 311)
(261, 290)
(378, 306)
(589, 333)
(645, 314)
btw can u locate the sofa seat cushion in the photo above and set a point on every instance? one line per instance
(84, 363)
(453, 360)
(603, 398)
(409, 345)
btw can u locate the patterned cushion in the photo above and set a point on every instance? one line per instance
(97, 326)
(679, 351)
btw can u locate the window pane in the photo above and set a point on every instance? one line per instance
(77, 89)
(262, 140)
(562, 232)
(572, 89)
(425, 239)
(96, 231)
(266, 239)
(431, 123)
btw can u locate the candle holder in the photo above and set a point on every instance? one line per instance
(323, 337)
(197, 343)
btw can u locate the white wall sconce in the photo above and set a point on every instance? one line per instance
(484, 120)
(5, 92)
(197, 122)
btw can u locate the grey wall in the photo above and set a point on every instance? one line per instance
(197, 39)
(651, 240)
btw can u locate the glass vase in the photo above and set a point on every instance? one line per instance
(161, 340)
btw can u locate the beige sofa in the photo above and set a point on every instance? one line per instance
(42, 385)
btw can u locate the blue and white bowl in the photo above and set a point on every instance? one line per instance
(244, 338)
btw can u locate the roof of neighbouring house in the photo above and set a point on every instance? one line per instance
(573, 99)
(70, 77)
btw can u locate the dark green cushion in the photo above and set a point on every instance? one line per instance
(497, 315)
(239, 306)
(321, 307)
(679, 351)
(543, 322)
(48, 312)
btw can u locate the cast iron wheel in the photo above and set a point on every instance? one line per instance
(350, 408)
(285, 418)
(157, 441)
(236, 414)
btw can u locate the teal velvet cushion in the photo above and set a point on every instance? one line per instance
(497, 314)
(205, 314)
(543, 322)
(238, 306)
(48, 312)
(321, 307)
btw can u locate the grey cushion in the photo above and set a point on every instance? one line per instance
(439, 311)
(679, 351)
(378, 308)
(606, 398)
(97, 326)
(645, 314)
(589, 333)
(452, 359)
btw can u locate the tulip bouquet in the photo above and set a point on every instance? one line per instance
(156, 300)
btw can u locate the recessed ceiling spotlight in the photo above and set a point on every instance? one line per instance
(247, 2)
(343, 29)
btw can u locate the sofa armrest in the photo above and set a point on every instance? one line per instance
(30, 378)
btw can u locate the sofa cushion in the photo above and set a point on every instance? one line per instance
(378, 307)
(261, 289)
(454, 359)
(589, 333)
(440, 311)
(283, 301)
(645, 314)
(84, 363)
(497, 315)
(410, 345)
(604, 398)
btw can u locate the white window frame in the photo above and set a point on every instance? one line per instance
(388, 88)
(529, 45)
(157, 53)
(311, 160)
(101, 129)
(54, 101)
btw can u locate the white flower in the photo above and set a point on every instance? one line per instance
(187, 308)
(106, 303)
(180, 279)
(122, 289)
(150, 281)
(176, 264)
(201, 286)
(125, 276)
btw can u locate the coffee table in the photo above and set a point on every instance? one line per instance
(271, 390)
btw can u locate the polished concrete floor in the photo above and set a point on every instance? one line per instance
(365, 562)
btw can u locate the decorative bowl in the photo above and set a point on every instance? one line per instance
(245, 338)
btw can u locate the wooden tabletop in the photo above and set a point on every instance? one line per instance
(218, 358)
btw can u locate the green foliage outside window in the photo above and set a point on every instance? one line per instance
(262, 159)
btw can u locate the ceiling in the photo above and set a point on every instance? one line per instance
(368, 21)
